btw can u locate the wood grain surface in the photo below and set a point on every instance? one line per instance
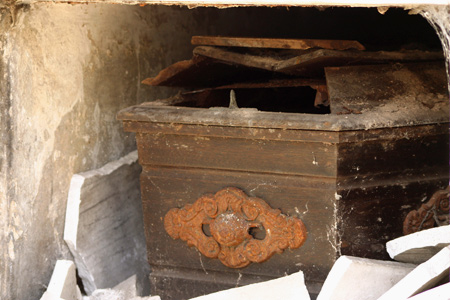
(301, 44)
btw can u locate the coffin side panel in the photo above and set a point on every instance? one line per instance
(308, 199)
(240, 154)
(380, 181)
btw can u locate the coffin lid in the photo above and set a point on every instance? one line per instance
(361, 98)
(252, 118)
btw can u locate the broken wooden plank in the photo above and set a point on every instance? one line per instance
(287, 288)
(360, 89)
(205, 71)
(265, 62)
(419, 246)
(312, 63)
(425, 276)
(104, 226)
(371, 277)
(170, 74)
(274, 83)
(300, 44)
(214, 66)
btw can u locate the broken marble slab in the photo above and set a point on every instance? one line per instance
(104, 225)
(355, 278)
(126, 290)
(419, 246)
(111, 294)
(63, 283)
(441, 292)
(287, 288)
(129, 287)
(422, 278)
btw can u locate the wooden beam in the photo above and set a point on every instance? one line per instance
(298, 44)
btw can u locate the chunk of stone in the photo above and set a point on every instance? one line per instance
(355, 278)
(419, 246)
(287, 288)
(423, 277)
(63, 283)
(130, 287)
(126, 290)
(110, 294)
(104, 225)
(441, 292)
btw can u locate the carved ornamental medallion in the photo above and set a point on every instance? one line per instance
(434, 212)
(232, 218)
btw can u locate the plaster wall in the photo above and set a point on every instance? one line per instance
(66, 71)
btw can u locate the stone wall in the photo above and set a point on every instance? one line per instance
(65, 72)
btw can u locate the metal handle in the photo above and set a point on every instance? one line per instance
(231, 216)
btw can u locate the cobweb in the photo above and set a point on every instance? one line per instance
(439, 17)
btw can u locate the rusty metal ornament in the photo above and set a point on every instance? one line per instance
(231, 215)
(434, 212)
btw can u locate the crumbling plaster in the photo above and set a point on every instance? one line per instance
(66, 71)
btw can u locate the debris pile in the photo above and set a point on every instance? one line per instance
(303, 76)
(421, 273)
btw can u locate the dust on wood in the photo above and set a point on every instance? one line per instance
(299, 44)
(387, 88)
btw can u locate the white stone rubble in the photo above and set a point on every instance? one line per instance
(354, 278)
(290, 287)
(100, 202)
(63, 283)
(423, 277)
(419, 246)
(441, 292)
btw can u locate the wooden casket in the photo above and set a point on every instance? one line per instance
(236, 196)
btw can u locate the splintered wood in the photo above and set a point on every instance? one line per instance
(300, 75)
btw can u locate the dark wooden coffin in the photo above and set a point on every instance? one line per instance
(351, 179)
